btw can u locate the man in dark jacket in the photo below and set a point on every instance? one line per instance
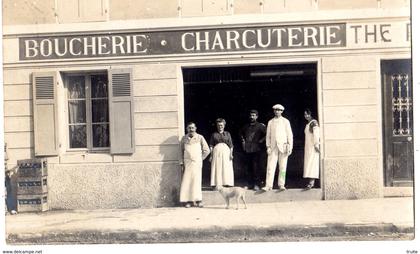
(253, 137)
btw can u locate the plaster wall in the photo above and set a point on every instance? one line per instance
(350, 128)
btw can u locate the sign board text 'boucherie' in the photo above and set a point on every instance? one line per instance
(182, 42)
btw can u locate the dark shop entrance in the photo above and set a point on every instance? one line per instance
(230, 92)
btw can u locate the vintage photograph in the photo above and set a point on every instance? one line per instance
(207, 121)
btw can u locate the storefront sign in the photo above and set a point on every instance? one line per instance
(378, 34)
(352, 35)
(181, 42)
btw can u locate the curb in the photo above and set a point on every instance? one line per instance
(277, 233)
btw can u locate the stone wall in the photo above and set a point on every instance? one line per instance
(108, 186)
(351, 179)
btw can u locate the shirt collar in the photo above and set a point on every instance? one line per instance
(194, 135)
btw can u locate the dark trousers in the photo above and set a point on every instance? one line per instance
(9, 198)
(253, 161)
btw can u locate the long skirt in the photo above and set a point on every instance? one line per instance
(221, 166)
(311, 159)
(191, 181)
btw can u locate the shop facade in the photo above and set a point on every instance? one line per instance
(106, 103)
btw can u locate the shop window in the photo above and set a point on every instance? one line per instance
(99, 112)
(247, 6)
(191, 8)
(70, 11)
(353, 4)
(88, 117)
(142, 9)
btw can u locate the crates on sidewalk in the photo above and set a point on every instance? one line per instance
(32, 168)
(32, 185)
(32, 203)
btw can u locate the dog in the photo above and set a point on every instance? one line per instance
(233, 192)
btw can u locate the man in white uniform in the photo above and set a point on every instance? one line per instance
(194, 150)
(279, 142)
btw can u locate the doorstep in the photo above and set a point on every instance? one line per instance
(214, 197)
(398, 192)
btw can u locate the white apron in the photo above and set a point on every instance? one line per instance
(191, 179)
(311, 159)
(221, 166)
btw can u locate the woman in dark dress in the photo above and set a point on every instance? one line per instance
(221, 157)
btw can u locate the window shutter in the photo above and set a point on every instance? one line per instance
(45, 113)
(121, 112)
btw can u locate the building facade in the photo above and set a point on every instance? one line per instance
(103, 90)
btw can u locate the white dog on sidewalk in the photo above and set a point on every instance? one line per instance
(233, 192)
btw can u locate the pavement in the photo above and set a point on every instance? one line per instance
(282, 221)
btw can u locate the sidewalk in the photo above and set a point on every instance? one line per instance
(282, 221)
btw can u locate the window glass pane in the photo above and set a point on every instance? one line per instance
(93, 95)
(99, 89)
(77, 111)
(99, 110)
(100, 135)
(99, 85)
(78, 136)
(76, 87)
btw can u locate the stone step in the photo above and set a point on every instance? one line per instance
(214, 197)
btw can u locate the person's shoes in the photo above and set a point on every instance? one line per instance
(282, 188)
(265, 188)
(256, 188)
(11, 212)
(308, 187)
(200, 204)
(187, 205)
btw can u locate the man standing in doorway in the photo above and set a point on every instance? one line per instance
(253, 136)
(279, 142)
(194, 150)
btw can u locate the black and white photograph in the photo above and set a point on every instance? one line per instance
(193, 125)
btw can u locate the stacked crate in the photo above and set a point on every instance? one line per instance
(32, 188)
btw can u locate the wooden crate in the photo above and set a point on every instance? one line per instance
(32, 185)
(32, 203)
(32, 168)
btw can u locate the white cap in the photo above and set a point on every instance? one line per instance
(278, 106)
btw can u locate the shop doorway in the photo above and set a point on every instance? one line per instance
(398, 151)
(230, 92)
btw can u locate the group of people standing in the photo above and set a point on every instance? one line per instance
(278, 139)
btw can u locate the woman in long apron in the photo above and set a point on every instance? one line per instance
(194, 150)
(221, 148)
(312, 149)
